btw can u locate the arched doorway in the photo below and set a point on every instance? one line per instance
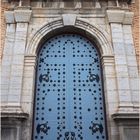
(69, 102)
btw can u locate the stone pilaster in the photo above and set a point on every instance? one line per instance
(116, 19)
(7, 56)
(132, 65)
(110, 91)
(28, 83)
(126, 73)
(22, 18)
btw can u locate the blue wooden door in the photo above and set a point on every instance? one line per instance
(69, 96)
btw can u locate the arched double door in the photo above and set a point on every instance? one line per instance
(69, 96)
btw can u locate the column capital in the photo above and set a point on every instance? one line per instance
(107, 60)
(128, 18)
(22, 16)
(9, 17)
(120, 16)
(18, 15)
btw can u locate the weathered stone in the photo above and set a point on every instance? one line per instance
(128, 18)
(115, 16)
(69, 19)
(22, 15)
(9, 17)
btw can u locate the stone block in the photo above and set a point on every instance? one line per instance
(13, 98)
(123, 83)
(9, 17)
(5, 70)
(116, 28)
(22, 15)
(127, 36)
(19, 48)
(131, 133)
(7, 60)
(112, 107)
(135, 96)
(69, 19)
(118, 47)
(10, 30)
(128, 18)
(133, 71)
(124, 97)
(127, 29)
(8, 49)
(115, 16)
(17, 70)
(134, 84)
(27, 98)
(111, 84)
(18, 60)
(131, 60)
(27, 92)
(117, 35)
(16, 82)
(109, 70)
(112, 96)
(5, 81)
(122, 70)
(28, 83)
(120, 60)
(22, 28)
(130, 49)
(27, 107)
(3, 97)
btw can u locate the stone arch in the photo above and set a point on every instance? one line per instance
(92, 31)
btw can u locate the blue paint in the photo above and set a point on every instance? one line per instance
(69, 96)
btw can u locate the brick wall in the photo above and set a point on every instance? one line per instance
(134, 7)
(4, 6)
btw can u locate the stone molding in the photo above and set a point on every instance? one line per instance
(125, 116)
(30, 60)
(22, 16)
(11, 115)
(13, 112)
(107, 60)
(120, 16)
(101, 36)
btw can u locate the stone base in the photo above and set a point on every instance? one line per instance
(128, 124)
(11, 123)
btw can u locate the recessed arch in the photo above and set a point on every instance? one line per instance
(91, 31)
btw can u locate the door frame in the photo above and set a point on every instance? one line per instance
(102, 41)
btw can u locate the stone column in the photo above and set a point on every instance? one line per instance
(7, 56)
(22, 17)
(116, 19)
